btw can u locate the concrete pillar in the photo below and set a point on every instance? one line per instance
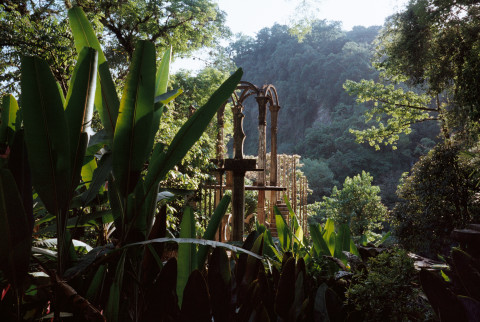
(262, 155)
(273, 151)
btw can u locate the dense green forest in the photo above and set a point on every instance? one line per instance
(103, 151)
(316, 112)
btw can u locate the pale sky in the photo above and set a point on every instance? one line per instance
(250, 16)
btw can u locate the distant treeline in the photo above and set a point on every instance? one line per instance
(316, 112)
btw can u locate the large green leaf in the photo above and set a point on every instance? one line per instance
(197, 241)
(353, 248)
(212, 228)
(269, 246)
(136, 214)
(88, 168)
(384, 238)
(83, 33)
(96, 284)
(329, 235)
(7, 122)
(79, 108)
(151, 196)
(163, 161)
(98, 177)
(15, 231)
(46, 134)
(163, 73)
(81, 94)
(151, 262)
(117, 205)
(161, 298)
(18, 165)
(186, 252)
(286, 289)
(299, 234)
(253, 263)
(320, 312)
(161, 82)
(112, 309)
(196, 300)
(299, 293)
(318, 242)
(106, 99)
(190, 133)
(342, 242)
(219, 284)
(284, 234)
(134, 124)
(166, 98)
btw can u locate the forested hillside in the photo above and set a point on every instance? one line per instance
(316, 112)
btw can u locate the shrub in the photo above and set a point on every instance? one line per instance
(357, 204)
(387, 291)
(438, 196)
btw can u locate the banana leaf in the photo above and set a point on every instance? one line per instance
(79, 109)
(18, 165)
(286, 290)
(112, 310)
(342, 242)
(134, 123)
(161, 82)
(186, 252)
(319, 243)
(98, 177)
(15, 231)
(283, 231)
(93, 291)
(106, 99)
(212, 228)
(211, 243)
(46, 134)
(8, 117)
(219, 284)
(196, 299)
(189, 133)
(329, 235)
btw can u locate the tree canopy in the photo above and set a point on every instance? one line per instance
(41, 29)
(428, 58)
(433, 48)
(316, 113)
(440, 194)
(357, 204)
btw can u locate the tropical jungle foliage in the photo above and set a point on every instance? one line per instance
(72, 178)
(113, 189)
(357, 205)
(429, 50)
(316, 113)
(41, 28)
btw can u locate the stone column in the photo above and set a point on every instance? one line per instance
(238, 134)
(238, 204)
(238, 166)
(262, 154)
(219, 161)
(273, 148)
